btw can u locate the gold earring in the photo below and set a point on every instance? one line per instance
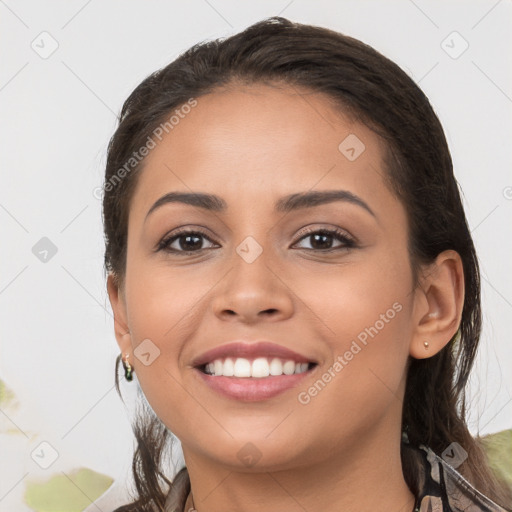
(425, 343)
(128, 370)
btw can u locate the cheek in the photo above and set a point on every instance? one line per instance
(363, 312)
(347, 299)
(161, 293)
(162, 307)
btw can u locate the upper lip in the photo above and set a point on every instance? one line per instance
(250, 350)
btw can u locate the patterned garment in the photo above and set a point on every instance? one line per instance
(441, 488)
(444, 489)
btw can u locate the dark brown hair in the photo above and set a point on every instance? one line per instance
(418, 169)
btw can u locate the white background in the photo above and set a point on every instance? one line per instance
(57, 115)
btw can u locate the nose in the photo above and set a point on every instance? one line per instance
(253, 291)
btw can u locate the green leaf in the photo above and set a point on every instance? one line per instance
(498, 448)
(6, 395)
(68, 492)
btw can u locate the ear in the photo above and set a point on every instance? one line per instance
(438, 304)
(118, 303)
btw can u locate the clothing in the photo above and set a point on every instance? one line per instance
(440, 488)
(443, 489)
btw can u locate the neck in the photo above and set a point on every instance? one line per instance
(369, 477)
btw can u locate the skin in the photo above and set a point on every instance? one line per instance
(252, 145)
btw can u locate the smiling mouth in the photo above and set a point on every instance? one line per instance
(257, 368)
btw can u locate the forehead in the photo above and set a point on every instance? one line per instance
(264, 140)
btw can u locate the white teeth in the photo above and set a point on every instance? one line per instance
(216, 367)
(276, 367)
(242, 367)
(227, 369)
(289, 368)
(260, 367)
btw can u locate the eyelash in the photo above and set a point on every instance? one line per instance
(340, 235)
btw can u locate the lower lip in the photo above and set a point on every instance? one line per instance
(252, 389)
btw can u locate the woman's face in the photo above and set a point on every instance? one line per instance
(255, 274)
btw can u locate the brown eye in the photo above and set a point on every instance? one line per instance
(322, 239)
(185, 242)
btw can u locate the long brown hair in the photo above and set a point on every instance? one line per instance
(418, 169)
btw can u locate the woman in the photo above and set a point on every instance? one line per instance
(293, 282)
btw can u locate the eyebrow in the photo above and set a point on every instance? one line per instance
(285, 204)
